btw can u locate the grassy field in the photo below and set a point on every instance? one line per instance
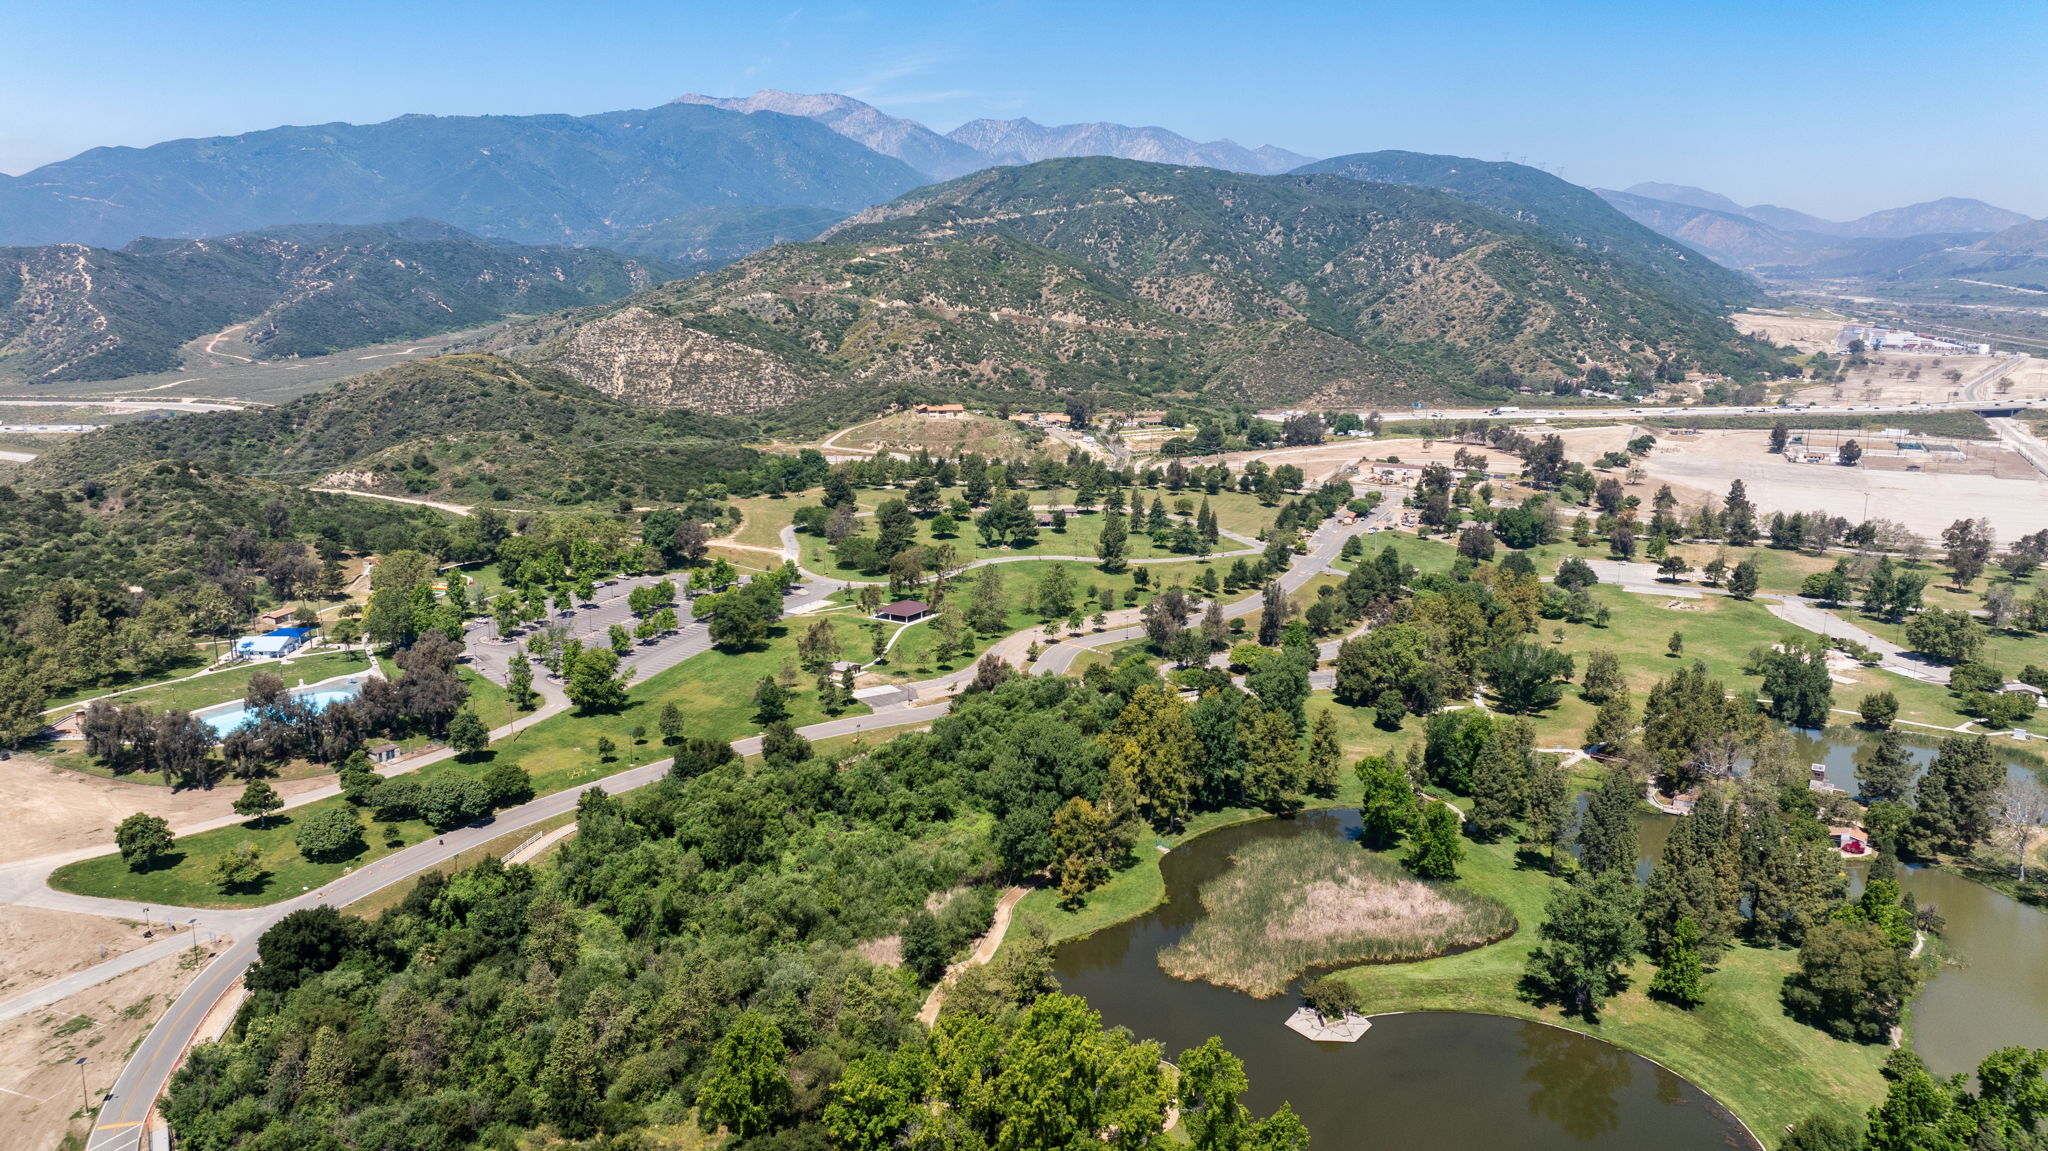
(1287, 905)
(914, 657)
(1740, 1046)
(764, 517)
(230, 685)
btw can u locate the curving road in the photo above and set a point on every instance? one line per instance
(129, 1103)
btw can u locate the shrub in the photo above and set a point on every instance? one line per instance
(329, 835)
(1332, 997)
(451, 801)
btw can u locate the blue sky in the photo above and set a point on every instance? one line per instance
(1833, 108)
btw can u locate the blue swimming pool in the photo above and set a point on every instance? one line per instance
(224, 722)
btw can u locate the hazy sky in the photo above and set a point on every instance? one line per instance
(1832, 108)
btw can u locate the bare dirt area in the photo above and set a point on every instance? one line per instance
(1994, 483)
(907, 432)
(1895, 377)
(40, 1083)
(42, 945)
(50, 810)
(1808, 333)
(1326, 460)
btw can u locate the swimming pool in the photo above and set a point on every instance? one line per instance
(223, 722)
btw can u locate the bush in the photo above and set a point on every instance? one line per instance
(507, 785)
(451, 801)
(1332, 998)
(396, 799)
(330, 835)
(1879, 709)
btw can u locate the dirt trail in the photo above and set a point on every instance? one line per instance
(984, 950)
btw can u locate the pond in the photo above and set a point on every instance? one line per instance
(1428, 1080)
(1996, 995)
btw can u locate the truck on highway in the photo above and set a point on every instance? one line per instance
(1503, 411)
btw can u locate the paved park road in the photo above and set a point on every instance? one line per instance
(128, 1104)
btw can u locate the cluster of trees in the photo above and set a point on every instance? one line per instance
(1750, 863)
(1437, 636)
(425, 699)
(2000, 1106)
(158, 560)
(495, 1001)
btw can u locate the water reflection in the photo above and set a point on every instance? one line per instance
(1431, 1080)
(1997, 994)
(1576, 1088)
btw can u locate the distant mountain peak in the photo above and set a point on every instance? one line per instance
(1025, 141)
(906, 140)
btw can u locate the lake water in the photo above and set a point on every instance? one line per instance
(1433, 1080)
(223, 722)
(1996, 994)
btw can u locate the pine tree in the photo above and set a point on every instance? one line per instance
(1681, 977)
(1498, 776)
(1273, 766)
(1889, 771)
(1438, 848)
(1550, 807)
(1323, 753)
(1607, 832)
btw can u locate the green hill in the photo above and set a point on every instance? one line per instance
(1565, 210)
(1131, 279)
(169, 524)
(465, 429)
(74, 313)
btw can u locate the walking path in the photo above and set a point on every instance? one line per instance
(984, 950)
(130, 1102)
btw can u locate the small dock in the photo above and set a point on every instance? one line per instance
(1310, 1022)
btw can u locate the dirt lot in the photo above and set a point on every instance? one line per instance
(1325, 460)
(906, 432)
(2015, 499)
(42, 945)
(40, 1083)
(1807, 333)
(1894, 377)
(50, 810)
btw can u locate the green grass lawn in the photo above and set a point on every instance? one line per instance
(1740, 1047)
(914, 656)
(196, 659)
(230, 685)
(763, 518)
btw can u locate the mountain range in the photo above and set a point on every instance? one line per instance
(980, 144)
(71, 312)
(1951, 214)
(1120, 277)
(1923, 242)
(534, 179)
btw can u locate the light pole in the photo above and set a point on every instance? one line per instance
(84, 1095)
